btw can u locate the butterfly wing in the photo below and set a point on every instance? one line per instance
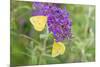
(38, 22)
(62, 48)
(58, 49)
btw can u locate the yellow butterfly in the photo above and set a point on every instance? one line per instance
(38, 22)
(58, 49)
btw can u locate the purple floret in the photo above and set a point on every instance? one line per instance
(59, 22)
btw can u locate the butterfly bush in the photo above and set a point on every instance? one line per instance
(58, 22)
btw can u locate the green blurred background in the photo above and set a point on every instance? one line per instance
(29, 47)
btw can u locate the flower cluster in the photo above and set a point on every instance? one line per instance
(58, 21)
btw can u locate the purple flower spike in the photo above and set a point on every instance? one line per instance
(58, 20)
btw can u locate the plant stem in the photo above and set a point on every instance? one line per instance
(25, 36)
(44, 47)
(45, 40)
